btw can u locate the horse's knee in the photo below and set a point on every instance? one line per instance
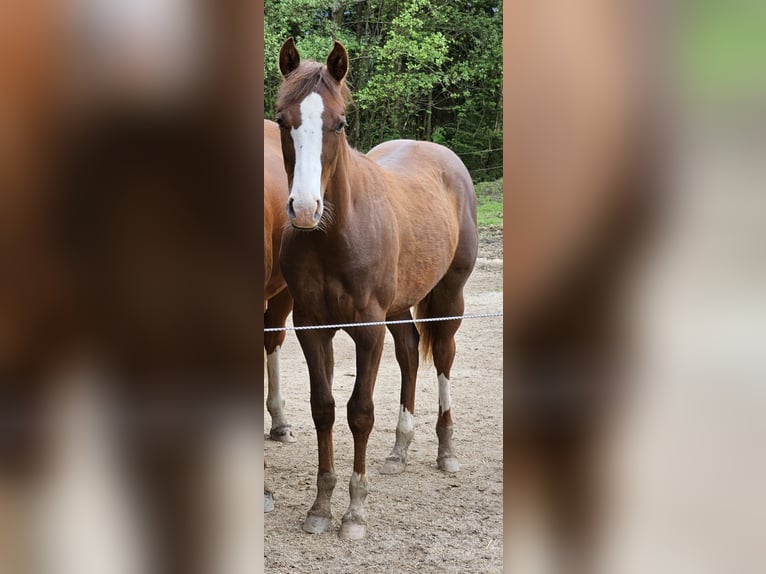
(361, 416)
(323, 413)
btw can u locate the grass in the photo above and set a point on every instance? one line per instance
(490, 202)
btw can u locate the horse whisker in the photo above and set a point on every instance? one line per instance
(328, 216)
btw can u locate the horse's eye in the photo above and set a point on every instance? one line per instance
(341, 126)
(280, 120)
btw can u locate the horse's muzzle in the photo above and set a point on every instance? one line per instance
(304, 215)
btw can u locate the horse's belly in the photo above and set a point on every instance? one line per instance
(426, 254)
(418, 277)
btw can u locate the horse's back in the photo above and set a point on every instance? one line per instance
(429, 168)
(414, 158)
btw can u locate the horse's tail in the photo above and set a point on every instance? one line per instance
(426, 330)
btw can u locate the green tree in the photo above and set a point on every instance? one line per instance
(422, 69)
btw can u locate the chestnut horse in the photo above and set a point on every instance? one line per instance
(277, 302)
(371, 236)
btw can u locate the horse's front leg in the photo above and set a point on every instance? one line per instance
(275, 316)
(361, 416)
(317, 348)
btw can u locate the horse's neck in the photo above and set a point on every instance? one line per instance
(348, 175)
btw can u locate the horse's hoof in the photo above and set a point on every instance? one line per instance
(393, 466)
(317, 524)
(268, 502)
(282, 434)
(448, 464)
(352, 531)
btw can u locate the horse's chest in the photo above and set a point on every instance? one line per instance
(335, 281)
(335, 299)
(342, 299)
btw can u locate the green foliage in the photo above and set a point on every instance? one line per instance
(421, 69)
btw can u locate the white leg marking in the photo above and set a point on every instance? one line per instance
(405, 432)
(445, 403)
(357, 489)
(274, 401)
(272, 367)
(307, 141)
(406, 424)
(354, 523)
(357, 481)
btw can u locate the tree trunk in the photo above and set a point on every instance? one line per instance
(499, 114)
(337, 13)
(429, 111)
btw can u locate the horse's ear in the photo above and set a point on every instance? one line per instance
(337, 61)
(289, 58)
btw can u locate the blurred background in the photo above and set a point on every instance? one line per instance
(130, 250)
(666, 473)
(691, 460)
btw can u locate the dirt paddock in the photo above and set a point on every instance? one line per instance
(422, 520)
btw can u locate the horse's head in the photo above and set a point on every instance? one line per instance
(311, 110)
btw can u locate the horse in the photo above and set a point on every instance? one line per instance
(370, 237)
(277, 302)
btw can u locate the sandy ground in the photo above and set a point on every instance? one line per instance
(422, 520)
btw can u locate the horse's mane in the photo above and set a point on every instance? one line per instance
(310, 77)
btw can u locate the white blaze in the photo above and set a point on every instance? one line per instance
(307, 141)
(445, 403)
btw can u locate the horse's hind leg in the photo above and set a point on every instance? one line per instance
(278, 309)
(445, 300)
(406, 344)
(444, 353)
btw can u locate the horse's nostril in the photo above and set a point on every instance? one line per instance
(318, 211)
(290, 209)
